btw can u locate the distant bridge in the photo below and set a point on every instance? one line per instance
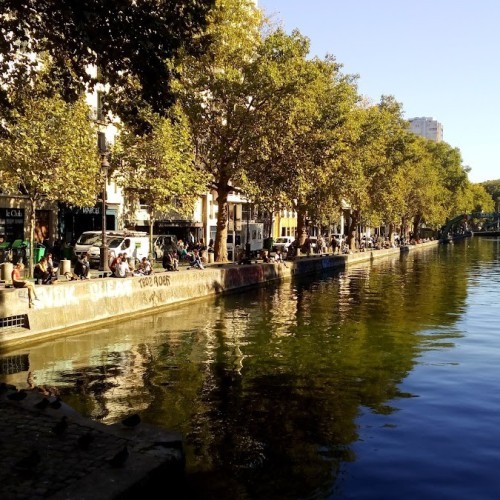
(492, 218)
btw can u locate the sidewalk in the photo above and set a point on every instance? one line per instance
(56, 453)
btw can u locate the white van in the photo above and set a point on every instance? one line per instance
(85, 241)
(134, 243)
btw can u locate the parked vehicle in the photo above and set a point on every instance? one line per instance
(134, 243)
(255, 231)
(162, 243)
(283, 243)
(85, 241)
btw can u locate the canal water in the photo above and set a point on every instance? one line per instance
(378, 382)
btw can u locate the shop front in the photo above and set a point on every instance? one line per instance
(11, 224)
(74, 221)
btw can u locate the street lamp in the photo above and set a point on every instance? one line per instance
(103, 251)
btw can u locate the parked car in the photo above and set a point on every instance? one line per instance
(282, 243)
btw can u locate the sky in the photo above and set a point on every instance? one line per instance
(438, 58)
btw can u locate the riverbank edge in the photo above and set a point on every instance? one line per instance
(70, 307)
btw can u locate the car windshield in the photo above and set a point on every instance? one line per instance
(88, 239)
(112, 242)
(282, 240)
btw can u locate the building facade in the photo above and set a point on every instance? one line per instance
(427, 127)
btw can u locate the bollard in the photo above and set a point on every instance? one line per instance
(6, 272)
(64, 267)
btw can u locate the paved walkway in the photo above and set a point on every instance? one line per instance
(56, 453)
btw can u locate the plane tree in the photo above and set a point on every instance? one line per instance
(302, 143)
(49, 153)
(157, 168)
(387, 193)
(246, 75)
(453, 176)
(424, 193)
(364, 176)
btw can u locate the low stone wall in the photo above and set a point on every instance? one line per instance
(74, 305)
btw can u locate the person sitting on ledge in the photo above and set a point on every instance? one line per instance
(19, 282)
(144, 268)
(82, 267)
(122, 269)
(195, 261)
(41, 272)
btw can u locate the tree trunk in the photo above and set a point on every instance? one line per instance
(403, 232)
(151, 253)
(391, 233)
(301, 226)
(220, 245)
(352, 230)
(416, 227)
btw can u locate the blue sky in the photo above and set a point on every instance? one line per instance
(438, 58)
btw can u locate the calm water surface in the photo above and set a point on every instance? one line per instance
(379, 382)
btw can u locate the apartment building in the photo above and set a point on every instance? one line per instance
(427, 127)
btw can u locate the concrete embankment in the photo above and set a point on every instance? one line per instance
(75, 305)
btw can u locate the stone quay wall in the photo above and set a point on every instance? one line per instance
(72, 306)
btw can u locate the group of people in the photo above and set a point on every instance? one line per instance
(195, 254)
(277, 257)
(121, 267)
(45, 271)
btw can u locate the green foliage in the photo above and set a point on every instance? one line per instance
(158, 167)
(50, 153)
(130, 41)
(218, 99)
(302, 133)
(493, 188)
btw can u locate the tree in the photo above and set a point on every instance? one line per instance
(370, 164)
(219, 95)
(304, 140)
(478, 199)
(493, 189)
(158, 167)
(396, 156)
(50, 154)
(129, 41)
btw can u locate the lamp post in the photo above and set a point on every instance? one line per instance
(103, 251)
